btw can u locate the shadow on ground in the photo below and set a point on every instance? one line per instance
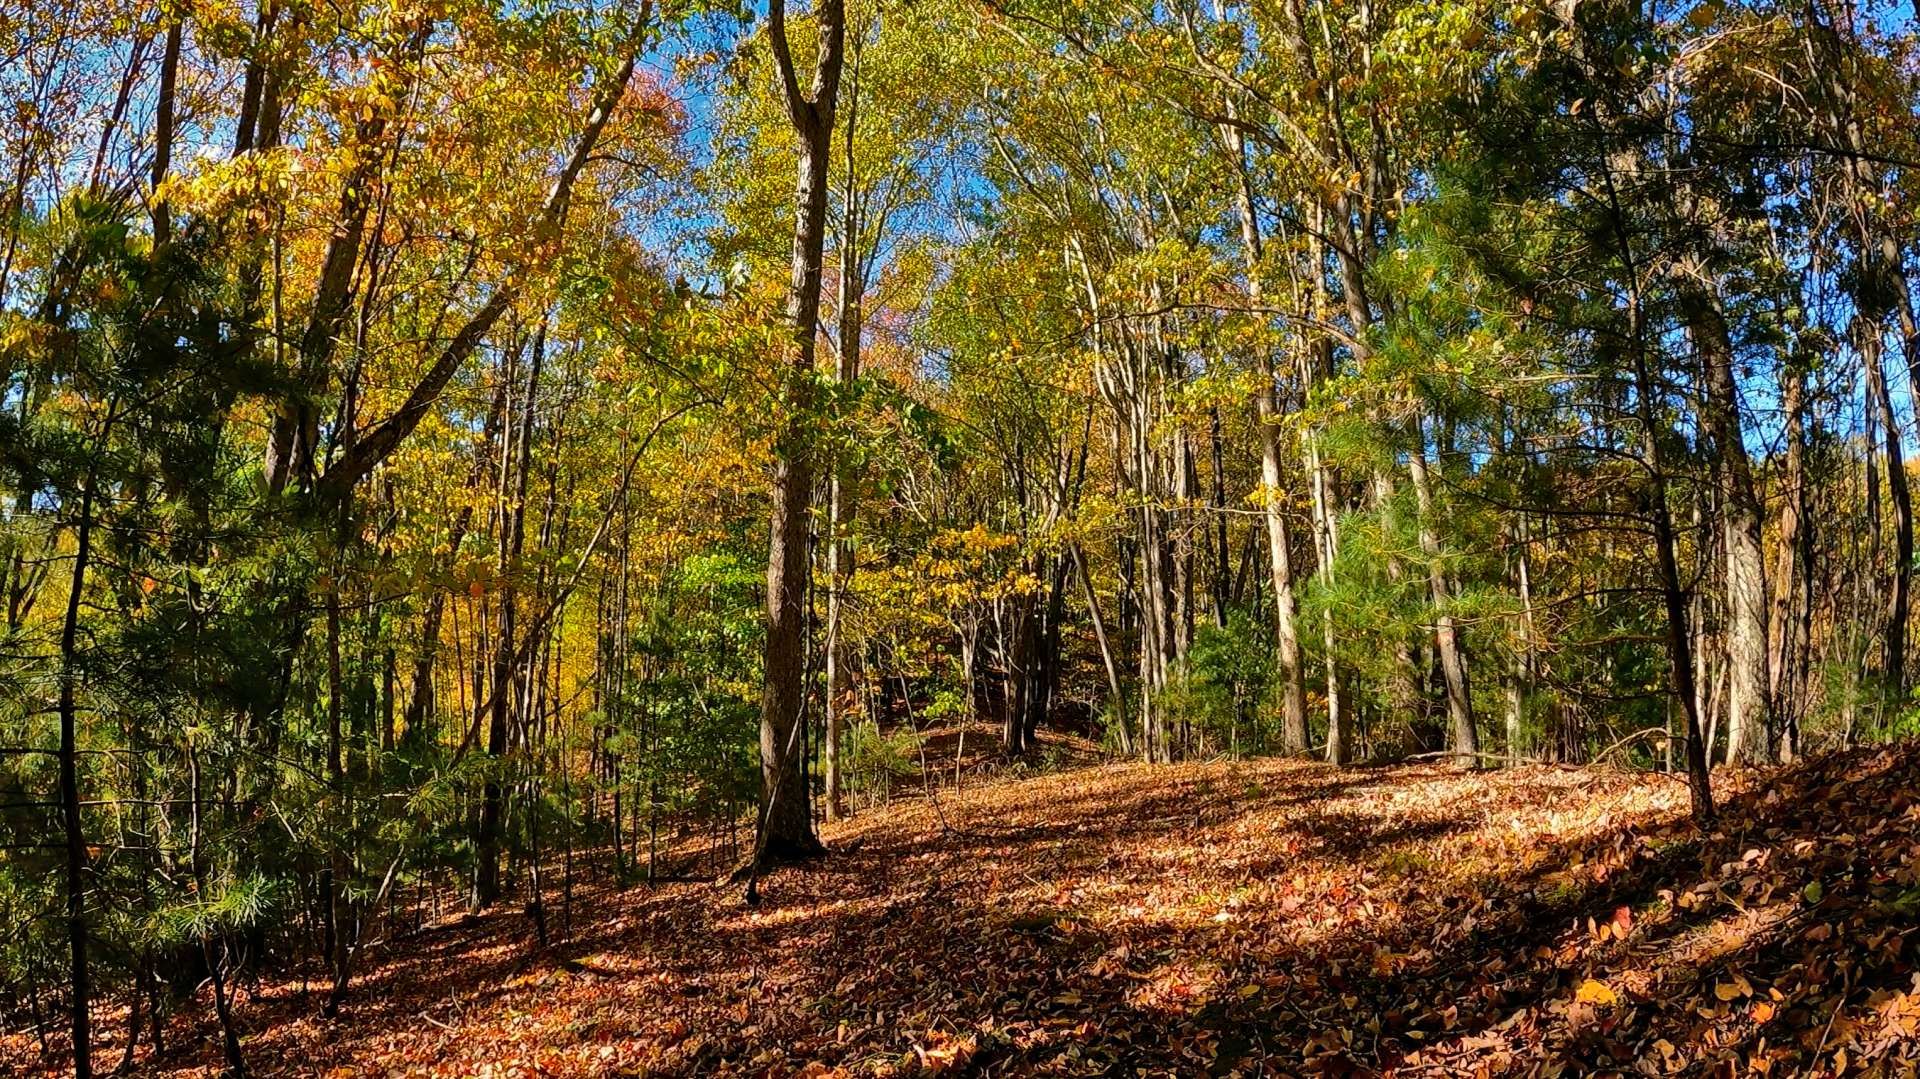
(1250, 918)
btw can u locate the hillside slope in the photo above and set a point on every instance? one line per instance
(1252, 918)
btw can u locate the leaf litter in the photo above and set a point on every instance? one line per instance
(1222, 918)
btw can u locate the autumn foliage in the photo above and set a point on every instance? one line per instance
(835, 536)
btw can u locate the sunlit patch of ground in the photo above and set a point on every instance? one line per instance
(1266, 917)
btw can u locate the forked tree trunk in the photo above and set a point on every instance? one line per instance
(786, 825)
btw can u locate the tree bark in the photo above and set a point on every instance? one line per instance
(1446, 632)
(786, 825)
(1286, 606)
(1792, 569)
(293, 438)
(163, 128)
(843, 490)
(79, 982)
(486, 880)
(1900, 570)
(1746, 582)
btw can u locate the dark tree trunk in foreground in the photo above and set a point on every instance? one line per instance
(76, 845)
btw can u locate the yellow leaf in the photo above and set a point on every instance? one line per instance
(1594, 991)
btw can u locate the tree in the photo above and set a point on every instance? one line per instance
(786, 823)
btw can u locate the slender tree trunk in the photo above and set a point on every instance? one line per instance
(1286, 607)
(1900, 571)
(843, 492)
(1221, 577)
(338, 866)
(1317, 364)
(216, 961)
(1446, 632)
(136, 995)
(513, 516)
(1672, 588)
(79, 982)
(1791, 569)
(1108, 663)
(163, 128)
(1521, 685)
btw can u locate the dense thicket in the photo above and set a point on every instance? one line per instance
(442, 437)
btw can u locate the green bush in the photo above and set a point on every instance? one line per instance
(876, 761)
(1224, 697)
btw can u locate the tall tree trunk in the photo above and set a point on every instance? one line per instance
(1108, 662)
(338, 864)
(786, 825)
(1327, 545)
(163, 130)
(1446, 632)
(1016, 647)
(1673, 590)
(1746, 581)
(1674, 596)
(1220, 580)
(1792, 569)
(1286, 606)
(1521, 683)
(1318, 364)
(1900, 571)
(843, 491)
(79, 981)
(513, 516)
(1882, 297)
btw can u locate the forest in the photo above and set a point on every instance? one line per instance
(959, 537)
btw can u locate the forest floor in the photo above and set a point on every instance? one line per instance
(1260, 917)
